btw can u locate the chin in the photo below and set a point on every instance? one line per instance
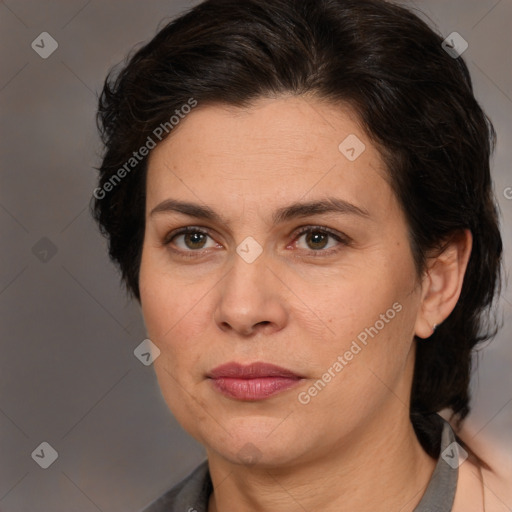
(265, 442)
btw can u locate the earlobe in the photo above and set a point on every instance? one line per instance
(442, 283)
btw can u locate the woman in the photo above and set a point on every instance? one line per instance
(298, 194)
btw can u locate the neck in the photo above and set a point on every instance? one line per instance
(370, 471)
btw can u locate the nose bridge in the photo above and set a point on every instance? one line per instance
(246, 282)
(249, 294)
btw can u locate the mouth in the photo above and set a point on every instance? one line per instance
(253, 382)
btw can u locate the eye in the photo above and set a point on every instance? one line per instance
(189, 240)
(317, 240)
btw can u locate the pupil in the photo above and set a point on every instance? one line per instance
(195, 237)
(316, 239)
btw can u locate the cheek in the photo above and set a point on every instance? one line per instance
(168, 303)
(176, 327)
(176, 317)
(371, 323)
(173, 321)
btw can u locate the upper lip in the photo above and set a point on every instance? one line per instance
(251, 371)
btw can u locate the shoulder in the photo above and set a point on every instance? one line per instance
(485, 477)
(190, 494)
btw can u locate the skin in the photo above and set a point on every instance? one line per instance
(352, 447)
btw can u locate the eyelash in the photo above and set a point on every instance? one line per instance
(342, 239)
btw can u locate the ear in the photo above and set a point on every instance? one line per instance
(442, 282)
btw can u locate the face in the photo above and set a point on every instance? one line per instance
(296, 255)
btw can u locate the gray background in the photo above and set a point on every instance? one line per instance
(68, 375)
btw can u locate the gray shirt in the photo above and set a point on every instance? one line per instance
(192, 494)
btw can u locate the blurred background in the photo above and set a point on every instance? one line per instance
(68, 373)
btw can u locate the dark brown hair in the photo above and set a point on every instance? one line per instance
(414, 99)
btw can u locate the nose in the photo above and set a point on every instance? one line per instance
(251, 299)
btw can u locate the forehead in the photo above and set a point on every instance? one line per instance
(269, 153)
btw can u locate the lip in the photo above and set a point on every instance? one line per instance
(251, 371)
(256, 381)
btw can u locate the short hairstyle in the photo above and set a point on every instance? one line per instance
(414, 100)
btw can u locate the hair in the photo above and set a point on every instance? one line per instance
(414, 100)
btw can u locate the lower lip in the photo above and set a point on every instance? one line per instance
(253, 389)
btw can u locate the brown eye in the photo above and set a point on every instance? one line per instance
(188, 240)
(317, 240)
(194, 240)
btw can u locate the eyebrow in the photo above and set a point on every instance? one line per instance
(286, 213)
